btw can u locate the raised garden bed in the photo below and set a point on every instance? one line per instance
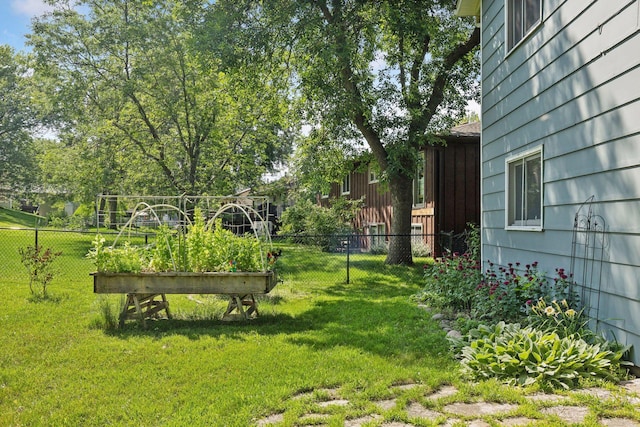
(146, 292)
(200, 256)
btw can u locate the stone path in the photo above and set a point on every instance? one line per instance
(413, 407)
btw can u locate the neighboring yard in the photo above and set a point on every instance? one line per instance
(317, 338)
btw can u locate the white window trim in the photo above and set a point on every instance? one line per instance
(525, 36)
(507, 162)
(420, 231)
(375, 175)
(380, 236)
(342, 190)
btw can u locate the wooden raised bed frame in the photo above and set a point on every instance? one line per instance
(142, 289)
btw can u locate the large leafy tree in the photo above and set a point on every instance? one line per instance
(18, 121)
(392, 73)
(136, 98)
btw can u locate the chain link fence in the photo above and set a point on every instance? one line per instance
(319, 258)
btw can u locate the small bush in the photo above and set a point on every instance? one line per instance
(39, 265)
(379, 249)
(525, 356)
(306, 218)
(420, 249)
(453, 280)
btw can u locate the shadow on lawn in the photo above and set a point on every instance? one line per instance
(373, 316)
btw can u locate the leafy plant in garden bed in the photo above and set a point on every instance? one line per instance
(198, 250)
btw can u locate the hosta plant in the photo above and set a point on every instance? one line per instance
(525, 356)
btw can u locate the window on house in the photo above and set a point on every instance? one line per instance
(522, 17)
(418, 183)
(416, 233)
(346, 185)
(524, 191)
(373, 175)
(377, 233)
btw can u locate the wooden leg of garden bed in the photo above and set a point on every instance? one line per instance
(237, 302)
(143, 306)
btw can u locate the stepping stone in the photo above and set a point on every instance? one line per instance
(397, 424)
(541, 397)
(569, 414)
(303, 395)
(632, 385)
(478, 409)
(357, 422)
(271, 419)
(416, 410)
(405, 386)
(337, 402)
(443, 392)
(619, 422)
(313, 419)
(516, 421)
(331, 392)
(600, 393)
(386, 404)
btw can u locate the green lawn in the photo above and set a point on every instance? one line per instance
(60, 367)
(14, 218)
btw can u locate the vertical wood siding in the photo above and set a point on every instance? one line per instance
(452, 193)
(572, 87)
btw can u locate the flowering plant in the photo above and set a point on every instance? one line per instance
(507, 293)
(451, 281)
(559, 317)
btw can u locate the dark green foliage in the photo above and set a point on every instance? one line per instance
(323, 226)
(528, 355)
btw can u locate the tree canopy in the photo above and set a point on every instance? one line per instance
(18, 119)
(390, 73)
(149, 110)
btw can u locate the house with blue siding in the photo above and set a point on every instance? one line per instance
(560, 147)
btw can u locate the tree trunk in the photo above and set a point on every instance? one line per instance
(401, 188)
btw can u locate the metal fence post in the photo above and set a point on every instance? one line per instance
(348, 251)
(36, 236)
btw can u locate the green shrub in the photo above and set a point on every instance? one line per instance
(39, 265)
(452, 282)
(525, 356)
(322, 225)
(379, 249)
(420, 249)
(473, 241)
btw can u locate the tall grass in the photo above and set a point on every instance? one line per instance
(62, 364)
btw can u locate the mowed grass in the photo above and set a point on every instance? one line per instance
(60, 366)
(14, 218)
